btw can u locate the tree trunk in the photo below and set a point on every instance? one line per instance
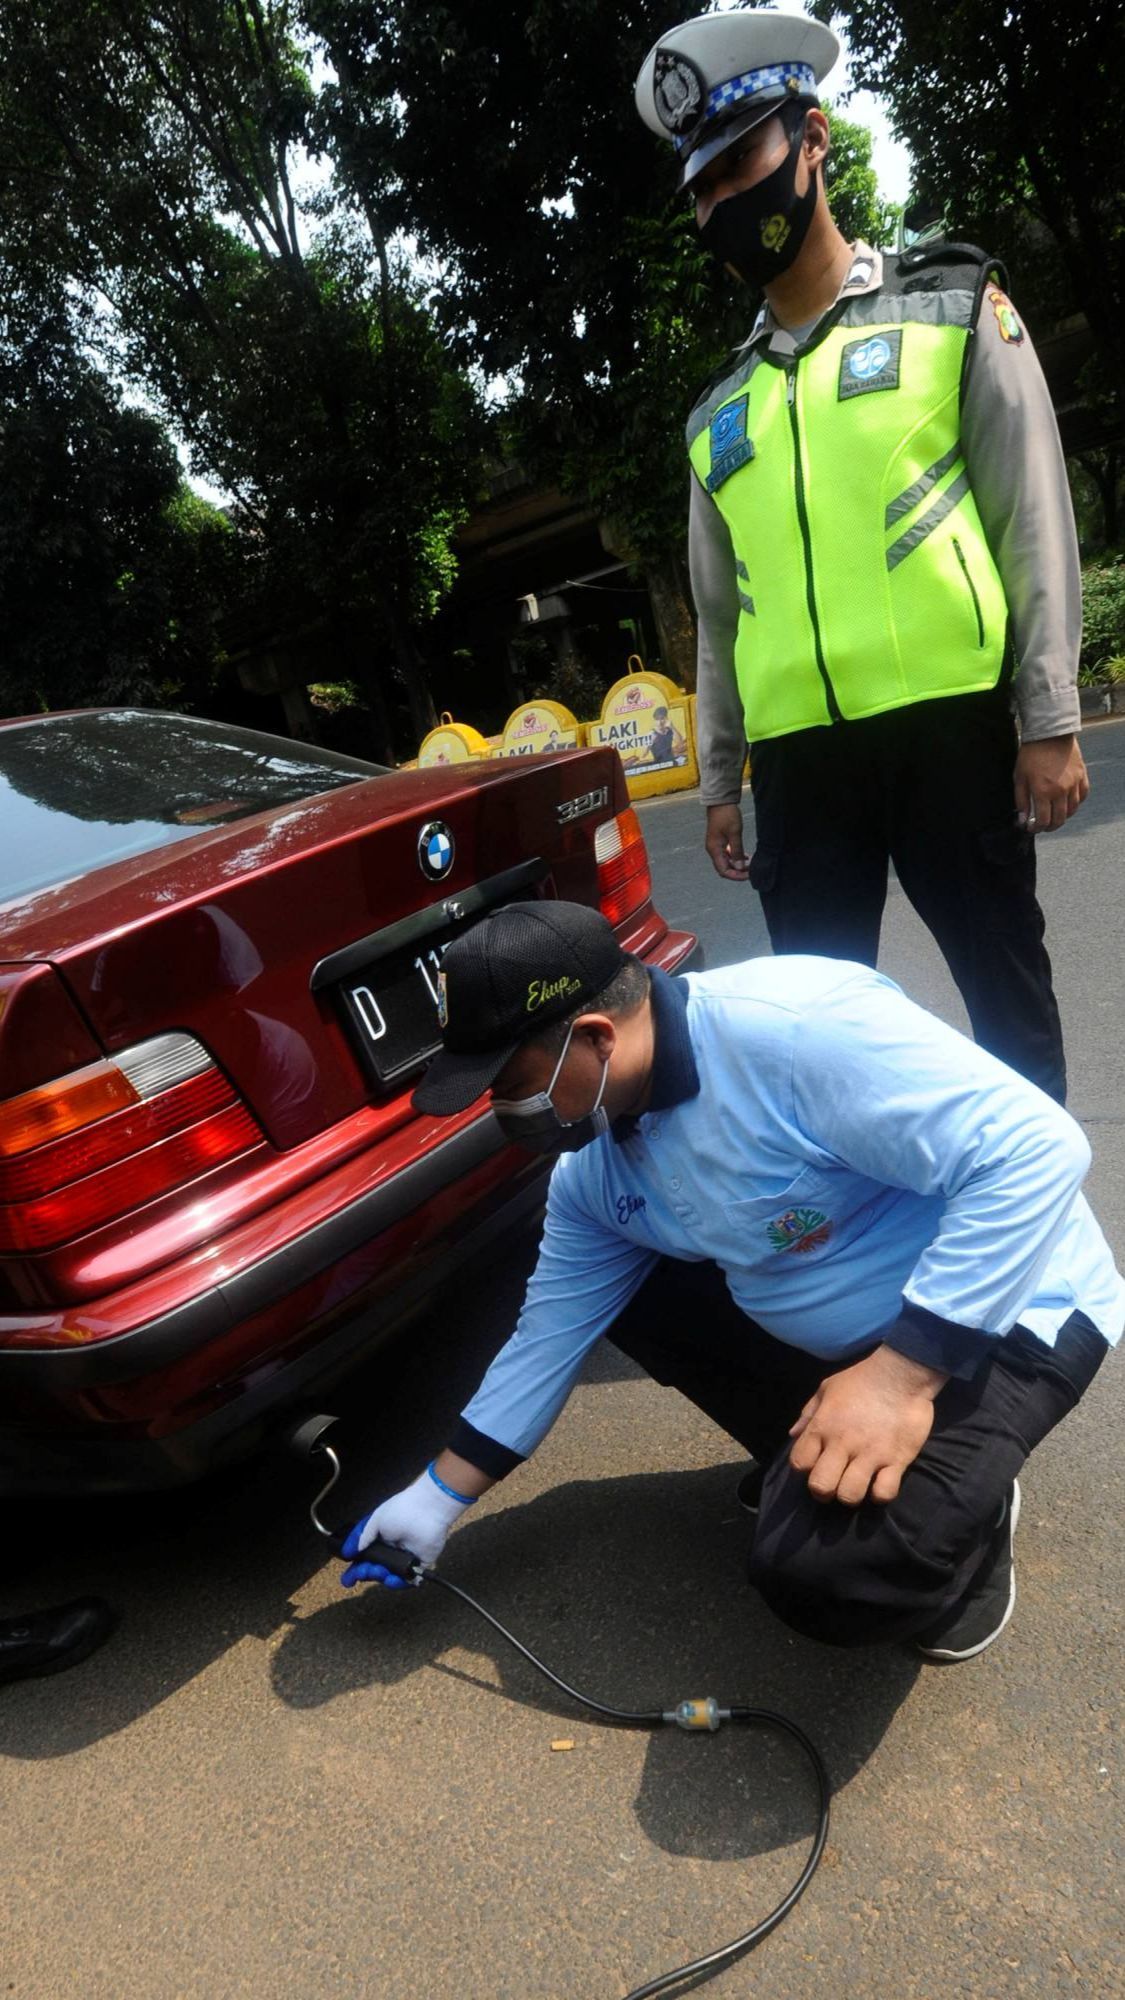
(671, 607)
(560, 638)
(299, 718)
(675, 622)
(412, 673)
(1102, 468)
(1110, 497)
(360, 665)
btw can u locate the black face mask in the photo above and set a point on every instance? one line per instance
(761, 230)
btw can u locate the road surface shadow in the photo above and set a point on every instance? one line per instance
(195, 1571)
(633, 1591)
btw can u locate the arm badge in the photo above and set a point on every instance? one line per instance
(1010, 326)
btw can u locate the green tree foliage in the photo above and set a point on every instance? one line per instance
(108, 564)
(505, 138)
(156, 149)
(1103, 614)
(1013, 110)
(852, 185)
(151, 162)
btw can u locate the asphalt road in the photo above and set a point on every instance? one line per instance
(264, 1788)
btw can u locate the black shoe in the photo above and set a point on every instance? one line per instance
(983, 1612)
(45, 1642)
(748, 1492)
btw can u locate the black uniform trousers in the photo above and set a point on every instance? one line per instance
(853, 1576)
(928, 788)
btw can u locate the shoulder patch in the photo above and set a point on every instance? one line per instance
(1011, 327)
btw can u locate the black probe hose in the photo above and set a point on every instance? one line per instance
(652, 1718)
(693, 1715)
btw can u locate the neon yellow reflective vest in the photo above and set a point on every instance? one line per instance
(865, 581)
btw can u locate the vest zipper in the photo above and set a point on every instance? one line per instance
(803, 520)
(972, 589)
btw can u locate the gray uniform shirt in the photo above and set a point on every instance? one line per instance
(1018, 475)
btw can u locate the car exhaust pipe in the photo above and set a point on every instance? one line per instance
(308, 1439)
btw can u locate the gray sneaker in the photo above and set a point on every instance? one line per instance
(980, 1617)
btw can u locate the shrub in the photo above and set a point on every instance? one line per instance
(1103, 616)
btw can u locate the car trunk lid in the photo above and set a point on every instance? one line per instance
(262, 938)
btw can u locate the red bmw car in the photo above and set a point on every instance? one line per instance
(217, 960)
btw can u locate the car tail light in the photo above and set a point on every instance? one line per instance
(624, 876)
(92, 1146)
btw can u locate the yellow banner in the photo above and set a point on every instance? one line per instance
(538, 728)
(453, 743)
(647, 719)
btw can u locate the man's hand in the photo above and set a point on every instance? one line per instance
(864, 1427)
(724, 843)
(1050, 782)
(419, 1519)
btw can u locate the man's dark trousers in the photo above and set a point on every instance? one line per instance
(929, 788)
(857, 1575)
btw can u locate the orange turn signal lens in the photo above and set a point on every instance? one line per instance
(93, 1147)
(102, 1145)
(54, 1109)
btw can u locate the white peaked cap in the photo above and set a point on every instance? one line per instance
(713, 78)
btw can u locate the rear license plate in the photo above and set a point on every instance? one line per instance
(386, 985)
(392, 1011)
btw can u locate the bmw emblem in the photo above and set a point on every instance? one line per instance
(435, 850)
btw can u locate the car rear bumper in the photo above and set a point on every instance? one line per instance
(190, 1388)
(106, 1459)
(221, 1307)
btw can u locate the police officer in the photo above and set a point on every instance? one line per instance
(882, 553)
(849, 1235)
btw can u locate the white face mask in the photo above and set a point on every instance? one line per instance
(534, 1122)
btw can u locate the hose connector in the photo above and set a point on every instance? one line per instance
(702, 1713)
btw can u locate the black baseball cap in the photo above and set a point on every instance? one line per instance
(518, 969)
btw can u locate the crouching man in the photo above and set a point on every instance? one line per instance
(852, 1238)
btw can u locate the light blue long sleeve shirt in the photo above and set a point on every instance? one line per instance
(857, 1169)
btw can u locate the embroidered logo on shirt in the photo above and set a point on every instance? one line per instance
(1006, 320)
(730, 446)
(870, 363)
(799, 1229)
(630, 1204)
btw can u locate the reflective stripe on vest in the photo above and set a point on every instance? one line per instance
(865, 582)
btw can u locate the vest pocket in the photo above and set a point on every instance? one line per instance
(966, 573)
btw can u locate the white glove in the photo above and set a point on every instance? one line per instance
(419, 1519)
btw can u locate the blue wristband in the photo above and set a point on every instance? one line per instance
(462, 1497)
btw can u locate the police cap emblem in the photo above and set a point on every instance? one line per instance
(435, 850)
(678, 91)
